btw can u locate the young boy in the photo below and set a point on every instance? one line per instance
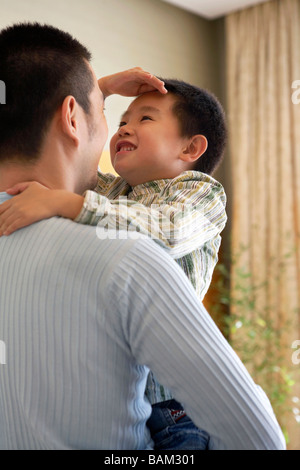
(165, 150)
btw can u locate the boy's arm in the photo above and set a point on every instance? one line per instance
(182, 217)
(36, 202)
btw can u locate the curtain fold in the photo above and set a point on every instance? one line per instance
(262, 62)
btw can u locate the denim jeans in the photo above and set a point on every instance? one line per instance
(172, 429)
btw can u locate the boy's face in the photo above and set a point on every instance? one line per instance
(148, 144)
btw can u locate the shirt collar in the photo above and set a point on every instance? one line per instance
(4, 197)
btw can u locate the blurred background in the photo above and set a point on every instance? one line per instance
(248, 54)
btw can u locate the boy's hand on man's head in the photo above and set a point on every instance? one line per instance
(132, 82)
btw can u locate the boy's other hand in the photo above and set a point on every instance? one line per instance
(132, 82)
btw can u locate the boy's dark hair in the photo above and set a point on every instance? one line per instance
(199, 112)
(40, 65)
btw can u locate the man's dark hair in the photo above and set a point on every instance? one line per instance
(200, 112)
(40, 65)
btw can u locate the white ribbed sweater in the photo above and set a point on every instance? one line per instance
(83, 319)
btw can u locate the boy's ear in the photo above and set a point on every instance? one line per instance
(69, 118)
(196, 147)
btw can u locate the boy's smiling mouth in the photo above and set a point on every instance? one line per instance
(125, 146)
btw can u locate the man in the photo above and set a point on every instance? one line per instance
(83, 319)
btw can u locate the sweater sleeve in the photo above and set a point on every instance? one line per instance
(170, 331)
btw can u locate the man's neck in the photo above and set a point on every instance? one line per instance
(14, 173)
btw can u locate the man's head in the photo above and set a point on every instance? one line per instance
(161, 136)
(41, 66)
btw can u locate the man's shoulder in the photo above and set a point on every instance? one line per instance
(85, 240)
(63, 242)
(62, 228)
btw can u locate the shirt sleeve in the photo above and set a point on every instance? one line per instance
(169, 330)
(104, 182)
(181, 217)
(110, 186)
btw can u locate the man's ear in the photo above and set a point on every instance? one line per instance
(196, 147)
(69, 115)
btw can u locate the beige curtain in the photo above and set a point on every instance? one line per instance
(262, 65)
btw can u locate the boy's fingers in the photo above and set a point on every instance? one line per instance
(5, 221)
(153, 81)
(8, 218)
(11, 226)
(18, 188)
(156, 82)
(3, 208)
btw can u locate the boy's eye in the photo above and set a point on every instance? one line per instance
(143, 118)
